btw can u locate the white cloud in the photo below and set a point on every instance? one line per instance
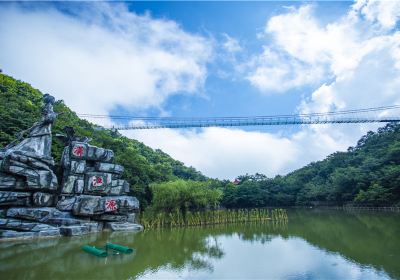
(231, 44)
(304, 52)
(226, 153)
(102, 57)
(221, 152)
(384, 13)
(275, 72)
(352, 65)
(354, 62)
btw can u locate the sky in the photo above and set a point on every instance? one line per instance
(210, 59)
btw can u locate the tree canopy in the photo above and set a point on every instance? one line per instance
(367, 174)
(20, 107)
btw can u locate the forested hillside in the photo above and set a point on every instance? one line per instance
(20, 107)
(367, 174)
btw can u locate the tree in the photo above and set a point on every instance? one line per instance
(375, 195)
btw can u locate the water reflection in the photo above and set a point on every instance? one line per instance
(313, 245)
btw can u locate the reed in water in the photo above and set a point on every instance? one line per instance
(212, 217)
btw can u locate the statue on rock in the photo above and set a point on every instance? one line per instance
(29, 157)
(92, 195)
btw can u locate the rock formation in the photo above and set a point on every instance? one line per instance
(92, 195)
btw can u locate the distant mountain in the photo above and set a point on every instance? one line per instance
(20, 107)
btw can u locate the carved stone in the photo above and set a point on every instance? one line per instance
(88, 152)
(30, 157)
(123, 226)
(77, 166)
(66, 203)
(53, 216)
(111, 218)
(10, 182)
(86, 205)
(131, 217)
(12, 234)
(43, 199)
(109, 167)
(91, 192)
(74, 230)
(38, 214)
(15, 198)
(20, 225)
(97, 183)
(72, 183)
(119, 187)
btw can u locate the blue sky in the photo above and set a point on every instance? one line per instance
(205, 59)
(242, 21)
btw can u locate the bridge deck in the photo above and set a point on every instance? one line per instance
(235, 122)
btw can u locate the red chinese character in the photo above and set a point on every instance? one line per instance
(78, 151)
(97, 181)
(111, 205)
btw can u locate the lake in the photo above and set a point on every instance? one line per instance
(314, 244)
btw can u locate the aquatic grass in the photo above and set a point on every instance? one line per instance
(150, 219)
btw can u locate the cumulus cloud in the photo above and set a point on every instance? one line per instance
(116, 57)
(383, 13)
(304, 52)
(226, 153)
(231, 44)
(353, 64)
(102, 55)
(223, 153)
(276, 72)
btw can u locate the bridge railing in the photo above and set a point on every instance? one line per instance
(256, 121)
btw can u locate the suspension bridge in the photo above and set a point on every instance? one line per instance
(386, 114)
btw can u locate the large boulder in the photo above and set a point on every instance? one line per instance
(88, 205)
(12, 234)
(20, 225)
(43, 199)
(101, 183)
(97, 183)
(9, 198)
(38, 214)
(111, 218)
(37, 171)
(77, 167)
(80, 150)
(73, 184)
(66, 203)
(123, 226)
(51, 215)
(11, 182)
(109, 167)
(74, 230)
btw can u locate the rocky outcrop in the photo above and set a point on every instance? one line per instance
(92, 195)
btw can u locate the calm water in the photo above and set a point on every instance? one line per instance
(315, 244)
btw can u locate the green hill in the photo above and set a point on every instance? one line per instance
(367, 174)
(20, 106)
